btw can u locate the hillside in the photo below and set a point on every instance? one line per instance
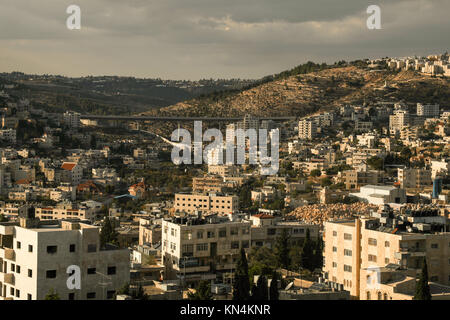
(308, 93)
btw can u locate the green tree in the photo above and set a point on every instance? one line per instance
(318, 254)
(52, 295)
(203, 292)
(273, 290)
(282, 249)
(241, 285)
(140, 294)
(3, 218)
(315, 173)
(260, 290)
(108, 233)
(422, 286)
(307, 256)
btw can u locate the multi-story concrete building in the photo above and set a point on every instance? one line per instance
(216, 203)
(72, 119)
(354, 179)
(399, 120)
(414, 178)
(203, 247)
(428, 110)
(352, 247)
(8, 135)
(35, 258)
(267, 228)
(307, 129)
(71, 172)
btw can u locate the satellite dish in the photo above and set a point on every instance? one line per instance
(289, 286)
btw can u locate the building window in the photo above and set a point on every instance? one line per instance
(372, 258)
(372, 242)
(90, 295)
(334, 265)
(51, 274)
(17, 269)
(387, 244)
(386, 260)
(202, 246)
(222, 233)
(92, 248)
(30, 273)
(52, 249)
(13, 267)
(368, 295)
(234, 231)
(434, 246)
(111, 270)
(235, 245)
(347, 268)
(347, 252)
(29, 297)
(11, 291)
(245, 244)
(379, 295)
(17, 293)
(334, 249)
(30, 248)
(72, 248)
(211, 234)
(18, 245)
(91, 270)
(347, 236)
(199, 234)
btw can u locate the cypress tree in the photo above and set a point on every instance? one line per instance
(318, 254)
(262, 288)
(273, 290)
(108, 233)
(241, 285)
(422, 286)
(307, 256)
(282, 250)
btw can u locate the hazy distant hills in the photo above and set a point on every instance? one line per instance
(110, 95)
(300, 91)
(303, 94)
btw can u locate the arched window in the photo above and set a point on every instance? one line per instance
(385, 296)
(379, 295)
(368, 295)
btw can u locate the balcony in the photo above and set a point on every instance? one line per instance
(10, 254)
(9, 278)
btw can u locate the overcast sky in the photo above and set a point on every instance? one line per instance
(193, 39)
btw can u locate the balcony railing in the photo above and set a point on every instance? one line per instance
(10, 254)
(9, 278)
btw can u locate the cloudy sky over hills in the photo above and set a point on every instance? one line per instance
(192, 39)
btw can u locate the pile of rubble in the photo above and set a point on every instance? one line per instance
(320, 213)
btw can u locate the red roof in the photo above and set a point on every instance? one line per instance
(23, 181)
(138, 185)
(68, 166)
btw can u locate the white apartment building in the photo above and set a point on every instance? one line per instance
(35, 256)
(211, 202)
(398, 121)
(441, 167)
(307, 129)
(352, 247)
(71, 172)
